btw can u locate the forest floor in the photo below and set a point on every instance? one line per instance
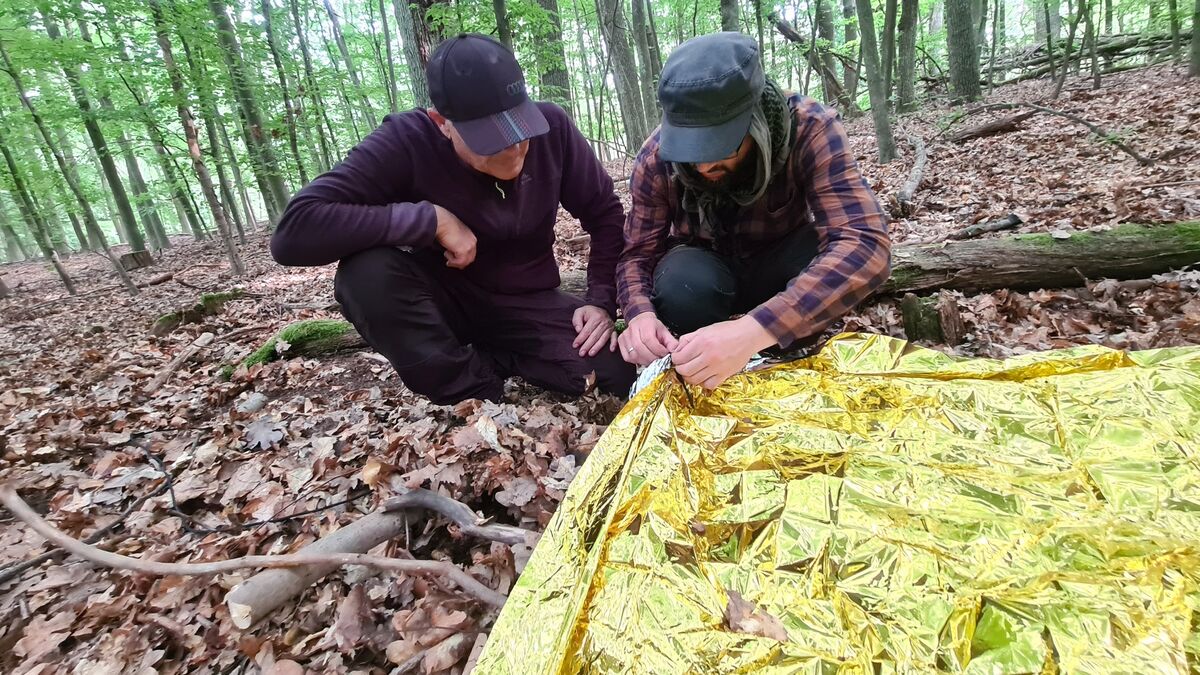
(285, 452)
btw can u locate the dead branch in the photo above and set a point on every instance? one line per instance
(1094, 128)
(467, 520)
(243, 331)
(469, 585)
(1006, 223)
(914, 177)
(20, 568)
(999, 126)
(191, 350)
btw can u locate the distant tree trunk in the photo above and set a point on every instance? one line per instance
(1176, 43)
(850, 73)
(503, 31)
(310, 82)
(1066, 62)
(1194, 67)
(14, 246)
(649, 79)
(257, 138)
(137, 241)
(393, 93)
(285, 91)
(875, 83)
(340, 84)
(89, 218)
(413, 57)
(33, 219)
(1050, 34)
(61, 190)
(997, 39)
(210, 116)
(979, 18)
(238, 183)
(729, 15)
(1092, 38)
(964, 57)
(888, 55)
(554, 82)
(193, 142)
(616, 35)
(367, 111)
(907, 60)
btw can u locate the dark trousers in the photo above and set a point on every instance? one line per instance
(451, 340)
(696, 287)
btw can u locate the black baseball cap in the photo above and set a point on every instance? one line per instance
(708, 90)
(476, 82)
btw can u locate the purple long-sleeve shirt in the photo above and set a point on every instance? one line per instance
(383, 194)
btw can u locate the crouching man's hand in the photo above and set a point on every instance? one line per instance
(456, 238)
(593, 330)
(646, 340)
(713, 354)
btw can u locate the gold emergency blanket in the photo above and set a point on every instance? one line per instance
(895, 509)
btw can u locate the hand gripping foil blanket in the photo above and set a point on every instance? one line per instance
(881, 508)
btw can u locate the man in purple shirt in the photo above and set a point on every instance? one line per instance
(443, 223)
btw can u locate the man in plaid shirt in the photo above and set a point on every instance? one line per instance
(745, 201)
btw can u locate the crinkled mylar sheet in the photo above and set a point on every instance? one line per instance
(897, 509)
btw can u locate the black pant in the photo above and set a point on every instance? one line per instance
(696, 287)
(451, 340)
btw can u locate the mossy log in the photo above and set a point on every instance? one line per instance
(210, 304)
(934, 319)
(314, 337)
(1032, 261)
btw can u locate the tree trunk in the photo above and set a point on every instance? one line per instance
(1091, 39)
(503, 30)
(1194, 67)
(875, 83)
(830, 88)
(555, 82)
(412, 54)
(964, 57)
(285, 92)
(14, 246)
(238, 183)
(616, 36)
(137, 241)
(888, 55)
(997, 40)
(649, 79)
(850, 74)
(89, 218)
(1050, 35)
(257, 139)
(979, 19)
(141, 194)
(1066, 62)
(367, 111)
(393, 93)
(729, 15)
(1032, 261)
(61, 190)
(1173, 17)
(907, 57)
(193, 142)
(310, 82)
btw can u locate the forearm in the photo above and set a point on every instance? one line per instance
(317, 231)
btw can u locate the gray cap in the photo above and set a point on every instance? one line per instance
(708, 90)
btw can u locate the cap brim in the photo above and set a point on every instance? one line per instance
(491, 134)
(694, 145)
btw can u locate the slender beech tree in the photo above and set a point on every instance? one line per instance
(906, 60)
(554, 81)
(875, 83)
(193, 142)
(284, 91)
(615, 30)
(368, 113)
(964, 56)
(413, 57)
(648, 78)
(729, 15)
(503, 29)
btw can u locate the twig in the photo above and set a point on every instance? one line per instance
(468, 521)
(18, 569)
(243, 331)
(466, 582)
(914, 178)
(191, 350)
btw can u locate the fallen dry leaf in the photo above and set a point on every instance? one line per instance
(742, 616)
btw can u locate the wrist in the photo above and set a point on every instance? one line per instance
(754, 335)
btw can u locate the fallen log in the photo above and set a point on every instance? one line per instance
(1032, 261)
(999, 126)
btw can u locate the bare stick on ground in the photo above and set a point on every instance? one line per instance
(307, 562)
(468, 521)
(191, 350)
(1002, 125)
(910, 186)
(1096, 129)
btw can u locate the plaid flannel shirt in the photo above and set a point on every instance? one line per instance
(820, 187)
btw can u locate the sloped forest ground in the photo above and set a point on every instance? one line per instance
(286, 452)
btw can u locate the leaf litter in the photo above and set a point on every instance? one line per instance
(280, 454)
